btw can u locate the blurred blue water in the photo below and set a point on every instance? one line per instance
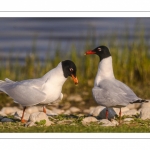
(20, 35)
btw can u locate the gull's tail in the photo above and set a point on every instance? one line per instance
(5, 83)
(139, 101)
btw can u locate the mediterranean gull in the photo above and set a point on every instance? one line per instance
(44, 90)
(108, 91)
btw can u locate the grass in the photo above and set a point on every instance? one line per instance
(131, 65)
(136, 126)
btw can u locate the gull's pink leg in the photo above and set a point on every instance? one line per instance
(106, 113)
(22, 120)
(44, 109)
(119, 115)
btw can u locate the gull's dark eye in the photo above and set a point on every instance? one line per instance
(99, 49)
(71, 70)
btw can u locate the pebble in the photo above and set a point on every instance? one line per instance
(7, 120)
(96, 111)
(123, 109)
(100, 112)
(128, 119)
(2, 114)
(1, 117)
(130, 112)
(66, 106)
(67, 112)
(57, 111)
(111, 113)
(32, 109)
(145, 105)
(37, 117)
(76, 98)
(114, 122)
(51, 113)
(9, 110)
(86, 111)
(18, 115)
(74, 110)
(145, 113)
(134, 106)
(88, 120)
(106, 122)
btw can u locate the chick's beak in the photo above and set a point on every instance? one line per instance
(75, 79)
(90, 52)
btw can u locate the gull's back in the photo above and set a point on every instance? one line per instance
(26, 92)
(113, 93)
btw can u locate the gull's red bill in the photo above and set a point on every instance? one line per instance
(75, 79)
(90, 52)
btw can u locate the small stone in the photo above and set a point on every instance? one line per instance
(66, 106)
(106, 122)
(111, 114)
(81, 115)
(2, 114)
(18, 115)
(74, 110)
(100, 112)
(92, 108)
(76, 98)
(9, 110)
(96, 110)
(67, 112)
(50, 113)
(7, 120)
(130, 112)
(88, 120)
(57, 111)
(86, 111)
(128, 119)
(145, 105)
(145, 113)
(134, 106)
(123, 109)
(32, 109)
(114, 122)
(85, 93)
(37, 117)
(1, 117)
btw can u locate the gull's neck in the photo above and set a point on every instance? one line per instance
(105, 70)
(55, 76)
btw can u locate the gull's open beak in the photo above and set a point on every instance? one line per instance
(90, 52)
(75, 79)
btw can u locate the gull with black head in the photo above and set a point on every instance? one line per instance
(42, 91)
(108, 91)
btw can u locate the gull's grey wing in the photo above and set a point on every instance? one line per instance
(111, 93)
(26, 93)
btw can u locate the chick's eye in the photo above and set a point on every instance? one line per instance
(71, 70)
(99, 49)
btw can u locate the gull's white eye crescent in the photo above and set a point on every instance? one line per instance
(99, 49)
(71, 69)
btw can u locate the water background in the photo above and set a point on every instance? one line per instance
(22, 35)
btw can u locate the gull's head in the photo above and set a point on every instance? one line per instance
(101, 51)
(69, 69)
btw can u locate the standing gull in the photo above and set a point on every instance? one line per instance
(108, 91)
(44, 90)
